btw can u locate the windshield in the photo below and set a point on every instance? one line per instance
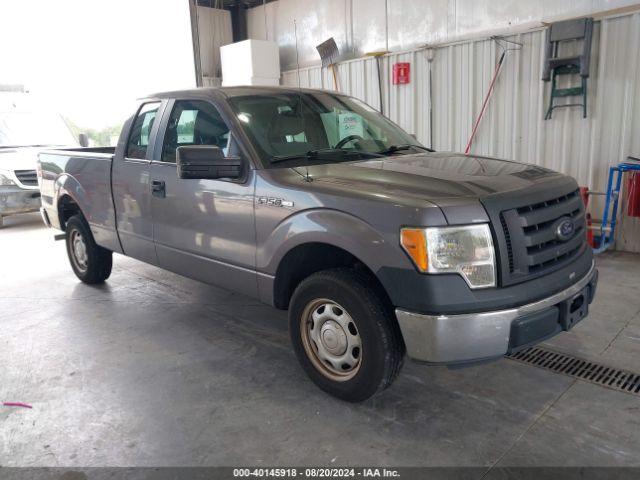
(288, 126)
(21, 129)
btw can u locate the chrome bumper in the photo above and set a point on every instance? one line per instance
(15, 200)
(473, 336)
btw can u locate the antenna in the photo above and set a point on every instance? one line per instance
(264, 10)
(304, 130)
(306, 177)
(295, 34)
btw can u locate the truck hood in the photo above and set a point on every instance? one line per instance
(442, 178)
(20, 158)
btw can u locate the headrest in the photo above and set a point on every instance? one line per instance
(286, 123)
(207, 130)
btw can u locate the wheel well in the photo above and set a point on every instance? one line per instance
(309, 258)
(67, 208)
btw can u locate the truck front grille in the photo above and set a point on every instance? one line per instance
(28, 178)
(532, 242)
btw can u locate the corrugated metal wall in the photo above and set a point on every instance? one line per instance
(513, 126)
(214, 31)
(360, 26)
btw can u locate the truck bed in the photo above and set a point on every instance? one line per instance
(81, 176)
(85, 151)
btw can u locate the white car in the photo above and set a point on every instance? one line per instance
(26, 129)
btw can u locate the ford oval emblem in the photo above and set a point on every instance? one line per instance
(565, 229)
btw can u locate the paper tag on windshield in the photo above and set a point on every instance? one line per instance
(350, 124)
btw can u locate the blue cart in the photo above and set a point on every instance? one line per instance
(614, 183)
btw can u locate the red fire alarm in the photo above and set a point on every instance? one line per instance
(401, 73)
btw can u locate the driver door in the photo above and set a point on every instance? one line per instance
(203, 229)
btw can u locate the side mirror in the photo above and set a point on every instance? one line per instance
(83, 139)
(207, 162)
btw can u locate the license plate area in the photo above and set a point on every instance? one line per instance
(574, 309)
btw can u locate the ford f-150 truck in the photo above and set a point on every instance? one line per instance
(314, 202)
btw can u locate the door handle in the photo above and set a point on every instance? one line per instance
(158, 188)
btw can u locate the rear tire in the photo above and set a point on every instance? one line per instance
(344, 335)
(90, 262)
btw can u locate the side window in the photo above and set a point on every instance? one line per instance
(194, 122)
(141, 130)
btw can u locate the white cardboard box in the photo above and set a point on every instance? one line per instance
(250, 62)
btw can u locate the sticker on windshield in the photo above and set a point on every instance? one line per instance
(350, 124)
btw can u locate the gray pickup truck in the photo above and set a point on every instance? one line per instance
(312, 201)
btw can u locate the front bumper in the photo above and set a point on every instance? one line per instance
(450, 339)
(17, 200)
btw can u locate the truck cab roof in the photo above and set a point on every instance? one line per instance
(238, 91)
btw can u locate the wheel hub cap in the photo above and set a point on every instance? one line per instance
(79, 250)
(333, 337)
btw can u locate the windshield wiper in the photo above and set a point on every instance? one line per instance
(321, 152)
(406, 146)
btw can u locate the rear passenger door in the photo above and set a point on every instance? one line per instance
(131, 187)
(203, 229)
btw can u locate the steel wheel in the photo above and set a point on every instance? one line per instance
(79, 249)
(331, 339)
(90, 262)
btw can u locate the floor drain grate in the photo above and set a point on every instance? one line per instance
(599, 374)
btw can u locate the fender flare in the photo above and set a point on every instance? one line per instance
(332, 227)
(67, 185)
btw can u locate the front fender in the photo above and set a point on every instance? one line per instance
(348, 232)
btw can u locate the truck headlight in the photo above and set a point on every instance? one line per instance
(466, 250)
(5, 180)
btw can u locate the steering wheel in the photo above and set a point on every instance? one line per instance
(347, 139)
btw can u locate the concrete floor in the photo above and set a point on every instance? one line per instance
(153, 369)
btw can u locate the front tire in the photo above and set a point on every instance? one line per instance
(90, 262)
(344, 335)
